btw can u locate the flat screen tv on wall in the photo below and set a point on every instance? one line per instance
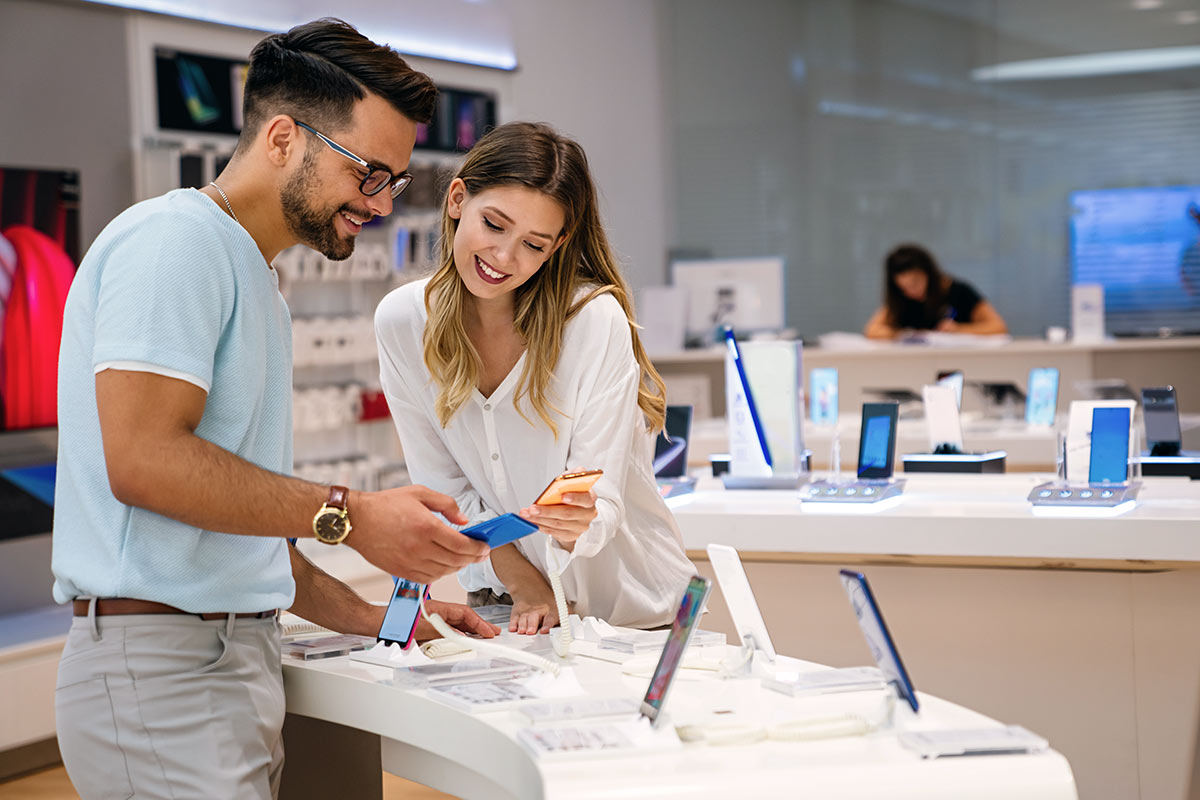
(1142, 245)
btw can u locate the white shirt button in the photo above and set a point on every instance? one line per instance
(487, 406)
(495, 456)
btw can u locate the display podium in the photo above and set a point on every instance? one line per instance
(969, 463)
(1185, 464)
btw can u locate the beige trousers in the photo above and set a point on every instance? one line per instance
(171, 706)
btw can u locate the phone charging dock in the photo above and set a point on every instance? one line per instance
(1086, 495)
(859, 491)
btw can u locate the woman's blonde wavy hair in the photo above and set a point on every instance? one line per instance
(538, 157)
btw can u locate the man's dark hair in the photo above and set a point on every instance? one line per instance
(317, 71)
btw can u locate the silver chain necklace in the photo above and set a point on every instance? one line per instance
(221, 192)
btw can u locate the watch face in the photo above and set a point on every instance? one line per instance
(331, 525)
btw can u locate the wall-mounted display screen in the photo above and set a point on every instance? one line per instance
(460, 119)
(199, 93)
(1143, 246)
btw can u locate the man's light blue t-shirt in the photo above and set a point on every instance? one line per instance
(174, 286)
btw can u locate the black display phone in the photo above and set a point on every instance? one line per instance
(877, 441)
(1161, 412)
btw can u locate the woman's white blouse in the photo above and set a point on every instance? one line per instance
(629, 567)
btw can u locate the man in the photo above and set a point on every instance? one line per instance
(172, 503)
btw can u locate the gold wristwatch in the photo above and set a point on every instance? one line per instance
(331, 525)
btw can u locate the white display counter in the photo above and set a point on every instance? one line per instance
(477, 755)
(1029, 448)
(1082, 628)
(869, 364)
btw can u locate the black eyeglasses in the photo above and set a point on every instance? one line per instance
(376, 178)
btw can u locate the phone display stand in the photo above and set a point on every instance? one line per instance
(1084, 495)
(785, 481)
(764, 414)
(859, 491)
(1064, 493)
(389, 654)
(1186, 464)
(992, 462)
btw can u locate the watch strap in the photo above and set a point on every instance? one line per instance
(338, 497)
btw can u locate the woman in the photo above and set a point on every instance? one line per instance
(917, 296)
(518, 360)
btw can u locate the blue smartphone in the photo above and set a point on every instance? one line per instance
(877, 442)
(501, 530)
(1109, 459)
(823, 389)
(1041, 396)
(403, 612)
(879, 639)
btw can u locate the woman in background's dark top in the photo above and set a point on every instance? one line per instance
(918, 296)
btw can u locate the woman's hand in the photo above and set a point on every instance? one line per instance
(566, 521)
(948, 325)
(534, 610)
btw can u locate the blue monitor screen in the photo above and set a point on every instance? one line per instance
(1143, 246)
(1041, 396)
(1110, 445)
(823, 388)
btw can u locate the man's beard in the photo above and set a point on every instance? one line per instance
(313, 226)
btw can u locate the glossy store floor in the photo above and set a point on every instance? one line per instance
(53, 784)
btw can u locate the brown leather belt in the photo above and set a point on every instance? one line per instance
(107, 606)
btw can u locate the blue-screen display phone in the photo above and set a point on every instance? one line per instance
(403, 612)
(877, 442)
(1041, 396)
(823, 391)
(501, 530)
(1161, 413)
(879, 639)
(1109, 460)
(690, 608)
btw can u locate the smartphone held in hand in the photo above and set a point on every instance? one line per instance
(577, 481)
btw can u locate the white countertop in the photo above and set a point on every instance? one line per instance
(477, 755)
(956, 516)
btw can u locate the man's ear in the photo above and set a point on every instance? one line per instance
(282, 140)
(456, 195)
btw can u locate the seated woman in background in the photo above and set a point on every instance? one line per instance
(519, 359)
(918, 296)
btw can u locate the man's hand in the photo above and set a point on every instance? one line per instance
(457, 616)
(396, 531)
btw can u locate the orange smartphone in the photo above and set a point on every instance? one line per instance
(579, 481)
